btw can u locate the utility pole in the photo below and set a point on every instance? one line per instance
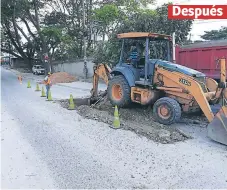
(174, 47)
(84, 39)
(9, 53)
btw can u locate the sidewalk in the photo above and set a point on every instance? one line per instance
(60, 90)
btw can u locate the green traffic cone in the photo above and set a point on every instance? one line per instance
(29, 84)
(49, 96)
(71, 103)
(43, 92)
(37, 87)
(116, 122)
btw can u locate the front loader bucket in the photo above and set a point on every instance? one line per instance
(217, 129)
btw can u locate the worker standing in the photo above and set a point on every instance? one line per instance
(47, 83)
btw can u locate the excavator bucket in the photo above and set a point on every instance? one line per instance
(217, 128)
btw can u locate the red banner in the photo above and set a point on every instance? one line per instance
(197, 12)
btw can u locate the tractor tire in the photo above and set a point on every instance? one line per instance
(167, 111)
(119, 91)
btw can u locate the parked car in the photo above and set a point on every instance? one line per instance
(38, 70)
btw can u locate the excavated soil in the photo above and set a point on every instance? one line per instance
(62, 77)
(135, 118)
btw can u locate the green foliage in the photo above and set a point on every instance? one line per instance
(53, 33)
(145, 20)
(15, 13)
(107, 51)
(129, 3)
(56, 18)
(215, 34)
(106, 14)
(157, 21)
(60, 32)
(61, 45)
(11, 7)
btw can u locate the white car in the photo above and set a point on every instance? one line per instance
(38, 70)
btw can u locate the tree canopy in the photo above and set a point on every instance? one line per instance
(220, 34)
(141, 20)
(32, 28)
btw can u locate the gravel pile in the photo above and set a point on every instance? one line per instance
(62, 77)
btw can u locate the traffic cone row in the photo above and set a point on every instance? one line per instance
(49, 98)
(116, 121)
(43, 94)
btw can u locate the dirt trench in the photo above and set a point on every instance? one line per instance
(136, 118)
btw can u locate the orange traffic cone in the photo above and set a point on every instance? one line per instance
(20, 79)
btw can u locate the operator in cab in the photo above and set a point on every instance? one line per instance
(134, 54)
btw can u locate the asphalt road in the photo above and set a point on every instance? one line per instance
(46, 146)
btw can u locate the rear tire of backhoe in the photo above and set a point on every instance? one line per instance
(167, 111)
(119, 91)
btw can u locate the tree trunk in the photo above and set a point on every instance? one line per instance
(103, 36)
(81, 49)
(51, 62)
(43, 42)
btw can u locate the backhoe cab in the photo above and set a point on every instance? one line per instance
(170, 88)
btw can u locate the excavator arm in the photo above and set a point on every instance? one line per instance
(100, 71)
(221, 88)
(223, 83)
(217, 128)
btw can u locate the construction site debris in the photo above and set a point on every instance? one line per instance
(137, 119)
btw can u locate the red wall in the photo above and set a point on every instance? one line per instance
(202, 59)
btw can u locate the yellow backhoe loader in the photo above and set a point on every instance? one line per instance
(170, 88)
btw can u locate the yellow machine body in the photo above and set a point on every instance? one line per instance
(192, 94)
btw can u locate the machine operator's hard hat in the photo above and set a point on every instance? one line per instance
(49, 73)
